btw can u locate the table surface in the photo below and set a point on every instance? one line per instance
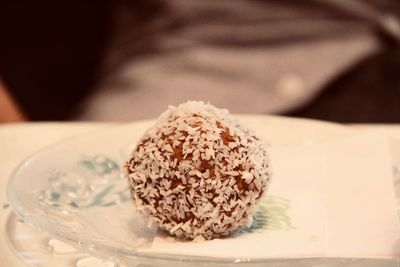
(17, 141)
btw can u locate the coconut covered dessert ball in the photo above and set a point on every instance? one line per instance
(198, 173)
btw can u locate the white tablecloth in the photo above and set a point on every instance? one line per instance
(17, 141)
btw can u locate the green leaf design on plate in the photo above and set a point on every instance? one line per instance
(94, 182)
(101, 165)
(272, 215)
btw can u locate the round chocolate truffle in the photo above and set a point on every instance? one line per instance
(198, 173)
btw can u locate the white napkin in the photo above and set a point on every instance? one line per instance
(339, 201)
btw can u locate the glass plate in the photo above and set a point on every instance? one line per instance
(73, 191)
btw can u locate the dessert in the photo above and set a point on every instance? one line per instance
(198, 173)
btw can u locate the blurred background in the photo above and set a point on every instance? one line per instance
(121, 60)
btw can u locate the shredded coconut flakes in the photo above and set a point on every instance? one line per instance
(197, 172)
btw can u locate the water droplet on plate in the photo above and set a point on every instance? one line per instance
(60, 247)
